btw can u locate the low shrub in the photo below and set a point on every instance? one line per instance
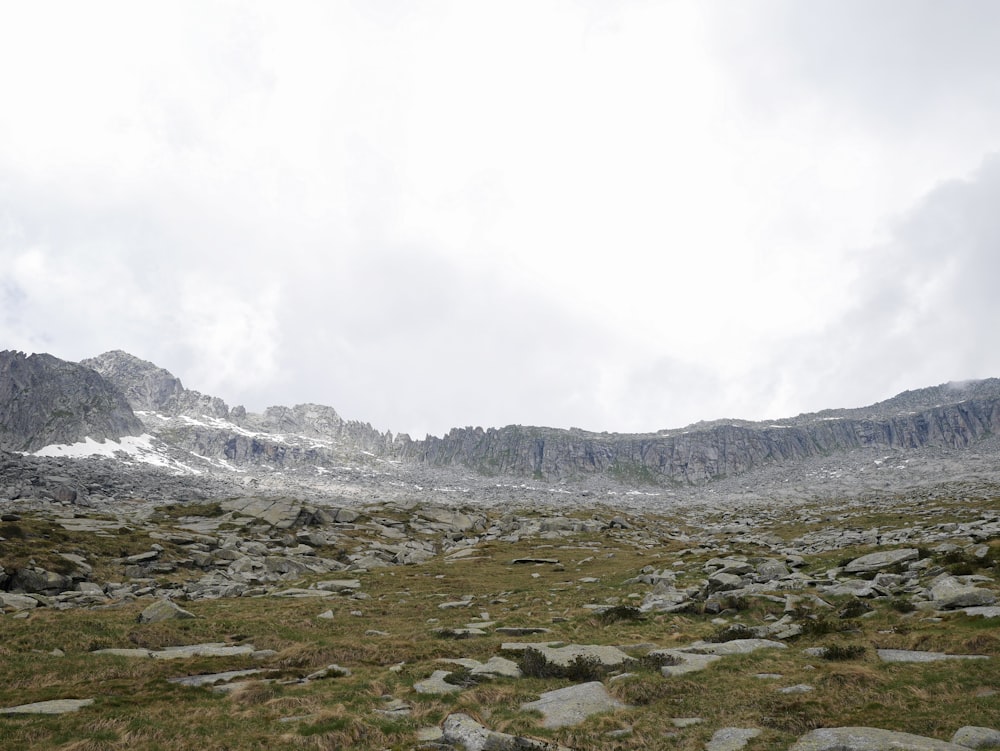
(843, 652)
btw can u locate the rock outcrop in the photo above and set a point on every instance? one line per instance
(709, 451)
(148, 387)
(45, 400)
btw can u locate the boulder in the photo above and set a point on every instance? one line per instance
(731, 739)
(573, 704)
(164, 610)
(880, 560)
(976, 737)
(55, 706)
(463, 731)
(869, 739)
(948, 593)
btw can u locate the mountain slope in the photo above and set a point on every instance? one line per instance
(946, 416)
(45, 400)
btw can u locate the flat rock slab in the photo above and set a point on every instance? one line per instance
(869, 739)
(210, 678)
(463, 731)
(734, 647)
(912, 655)
(688, 662)
(882, 559)
(527, 561)
(203, 650)
(56, 706)
(299, 593)
(983, 612)
(731, 739)
(124, 652)
(436, 684)
(606, 655)
(573, 704)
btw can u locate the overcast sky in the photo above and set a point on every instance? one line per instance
(620, 216)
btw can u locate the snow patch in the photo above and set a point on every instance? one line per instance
(140, 448)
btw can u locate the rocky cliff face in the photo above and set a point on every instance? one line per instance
(706, 452)
(303, 435)
(44, 400)
(148, 387)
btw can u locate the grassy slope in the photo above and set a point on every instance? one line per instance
(136, 708)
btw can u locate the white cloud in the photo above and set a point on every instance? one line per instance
(621, 216)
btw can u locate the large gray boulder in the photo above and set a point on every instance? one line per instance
(163, 610)
(463, 731)
(948, 593)
(971, 736)
(869, 739)
(573, 704)
(880, 560)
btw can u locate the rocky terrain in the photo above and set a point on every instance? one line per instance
(295, 580)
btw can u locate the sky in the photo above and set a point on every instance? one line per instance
(617, 215)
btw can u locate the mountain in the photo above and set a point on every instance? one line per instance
(45, 400)
(952, 416)
(148, 387)
(199, 434)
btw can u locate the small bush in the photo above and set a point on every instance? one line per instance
(11, 531)
(818, 627)
(534, 664)
(461, 676)
(961, 569)
(735, 602)
(643, 690)
(732, 632)
(854, 609)
(621, 613)
(902, 605)
(653, 661)
(583, 668)
(845, 652)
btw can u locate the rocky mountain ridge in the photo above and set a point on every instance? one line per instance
(949, 426)
(705, 453)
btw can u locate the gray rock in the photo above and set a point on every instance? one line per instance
(911, 655)
(55, 706)
(11, 601)
(880, 560)
(573, 704)
(799, 688)
(948, 593)
(971, 736)
(687, 662)
(436, 684)
(734, 647)
(868, 739)
(202, 650)
(983, 612)
(164, 610)
(608, 656)
(731, 739)
(463, 731)
(212, 678)
(144, 653)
